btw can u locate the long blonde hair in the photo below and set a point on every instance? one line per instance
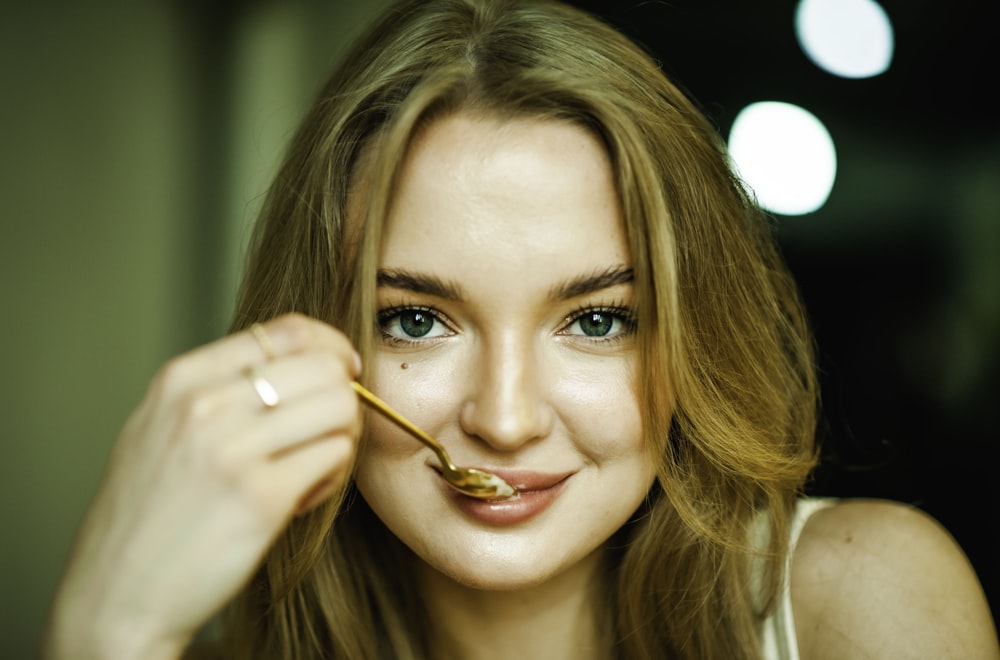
(726, 383)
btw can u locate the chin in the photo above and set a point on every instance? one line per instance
(508, 564)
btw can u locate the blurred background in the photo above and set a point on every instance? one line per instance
(138, 138)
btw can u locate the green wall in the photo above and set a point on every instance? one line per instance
(137, 138)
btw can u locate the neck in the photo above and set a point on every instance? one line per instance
(563, 617)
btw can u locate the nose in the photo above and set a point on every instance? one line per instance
(507, 404)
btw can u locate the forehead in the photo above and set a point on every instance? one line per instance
(521, 190)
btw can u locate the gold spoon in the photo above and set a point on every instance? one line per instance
(468, 481)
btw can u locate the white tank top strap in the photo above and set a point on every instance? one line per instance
(778, 640)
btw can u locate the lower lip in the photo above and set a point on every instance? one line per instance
(522, 508)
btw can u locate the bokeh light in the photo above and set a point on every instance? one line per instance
(785, 155)
(848, 38)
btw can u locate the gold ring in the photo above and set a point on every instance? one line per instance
(265, 390)
(257, 330)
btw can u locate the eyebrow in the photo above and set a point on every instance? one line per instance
(580, 286)
(418, 283)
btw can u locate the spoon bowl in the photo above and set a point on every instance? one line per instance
(468, 481)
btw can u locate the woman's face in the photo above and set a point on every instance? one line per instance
(505, 305)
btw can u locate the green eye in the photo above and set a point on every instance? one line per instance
(412, 323)
(600, 323)
(596, 324)
(415, 323)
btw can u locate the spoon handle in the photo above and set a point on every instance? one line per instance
(403, 423)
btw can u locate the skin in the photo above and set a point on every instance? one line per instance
(877, 579)
(507, 214)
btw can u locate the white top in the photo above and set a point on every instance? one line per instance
(778, 641)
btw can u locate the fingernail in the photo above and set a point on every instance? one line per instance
(357, 364)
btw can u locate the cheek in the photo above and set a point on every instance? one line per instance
(414, 384)
(376, 455)
(415, 392)
(387, 474)
(601, 407)
(383, 438)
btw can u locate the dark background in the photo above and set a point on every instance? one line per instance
(899, 269)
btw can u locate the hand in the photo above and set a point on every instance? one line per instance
(201, 481)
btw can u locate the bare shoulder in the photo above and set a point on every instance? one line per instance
(881, 579)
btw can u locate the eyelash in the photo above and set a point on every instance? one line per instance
(620, 313)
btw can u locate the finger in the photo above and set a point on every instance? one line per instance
(287, 335)
(268, 388)
(315, 415)
(282, 484)
(230, 424)
(295, 333)
(295, 376)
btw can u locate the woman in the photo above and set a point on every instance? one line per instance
(529, 243)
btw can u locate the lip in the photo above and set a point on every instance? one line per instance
(536, 491)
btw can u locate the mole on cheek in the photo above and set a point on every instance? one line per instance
(405, 365)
